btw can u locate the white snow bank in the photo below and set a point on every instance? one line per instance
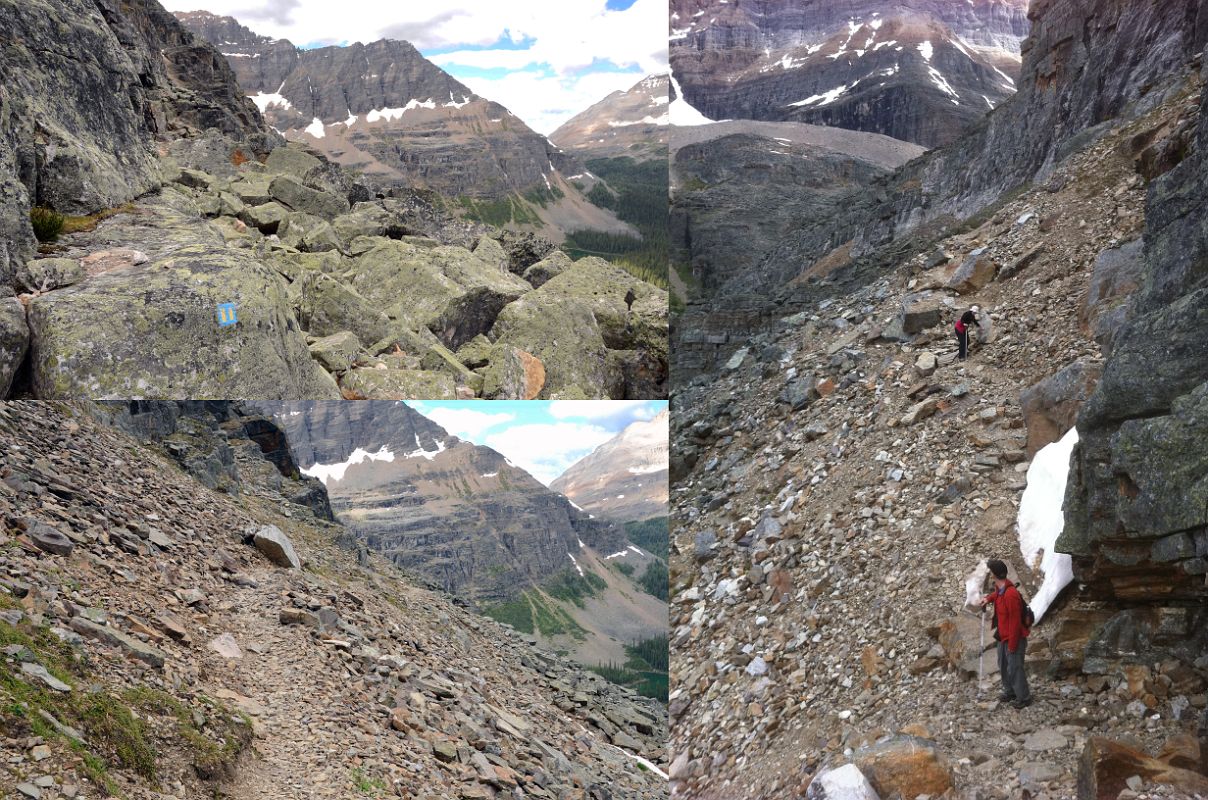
(263, 100)
(420, 452)
(648, 765)
(397, 113)
(316, 128)
(681, 112)
(1040, 520)
(576, 563)
(335, 472)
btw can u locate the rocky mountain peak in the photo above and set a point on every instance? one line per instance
(626, 477)
(919, 71)
(385, 110)
(630, 123)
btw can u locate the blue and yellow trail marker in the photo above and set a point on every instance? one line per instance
(226, 315)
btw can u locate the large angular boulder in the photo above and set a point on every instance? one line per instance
(1051, 406)
(292, 160)
(266, 217)
(365, 219)
(276, 546)
(395, 269)
(252, 188)
(905, 765)
(920, 313)
(43, 274)
(564, 336)
(398, 384)
(513, 374)
(843, 783)
(472, 314)
(14, 341)
(336, 352)
(427, 277)
(490, 252)
(326, 306)
(438, 358)
(604, 287)
(307, 232)
(151, 330)
(549, 267)
(974, 273)
(293, 193)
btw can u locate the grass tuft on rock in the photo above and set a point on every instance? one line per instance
(47, 223)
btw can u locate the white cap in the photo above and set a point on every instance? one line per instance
(975, 309)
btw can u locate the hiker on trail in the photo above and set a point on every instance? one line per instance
(629, 298)
(1011, 634)
(962, 331)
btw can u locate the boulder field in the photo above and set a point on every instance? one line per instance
(335, 295)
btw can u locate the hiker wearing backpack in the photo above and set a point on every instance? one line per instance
(1012, 623)
(962, 331)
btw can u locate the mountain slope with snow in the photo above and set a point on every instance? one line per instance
(463, 517)
(626, 477)
(630, 123)
(922, 70)
(384, 110)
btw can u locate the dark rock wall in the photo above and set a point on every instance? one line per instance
(201, 435)
(1137, 500)
(88, 86)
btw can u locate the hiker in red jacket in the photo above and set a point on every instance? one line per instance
(1012, 636)
(962, 331)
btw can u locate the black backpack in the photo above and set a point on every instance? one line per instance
(1029, 619)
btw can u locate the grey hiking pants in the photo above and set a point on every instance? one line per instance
(1010, 667)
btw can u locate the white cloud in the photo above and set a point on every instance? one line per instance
(601, 409)
(546, 450)
(466, 423)
(548, 82)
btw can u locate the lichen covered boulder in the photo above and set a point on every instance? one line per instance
(14, 341)
(513, 375)
(564, 336)
(327, 306)
(151, 330)
(397, 384)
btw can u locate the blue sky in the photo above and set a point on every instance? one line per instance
(545, 60)
(543, 437)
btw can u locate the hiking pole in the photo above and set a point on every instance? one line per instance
(981, 652)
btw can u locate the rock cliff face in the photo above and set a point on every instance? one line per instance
(65, 142)
(738, 188)
(632, 123)
(224, 444)
(625, 478)
(385, 110)
(450, 511)
(923, 71)
(1137, 501)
